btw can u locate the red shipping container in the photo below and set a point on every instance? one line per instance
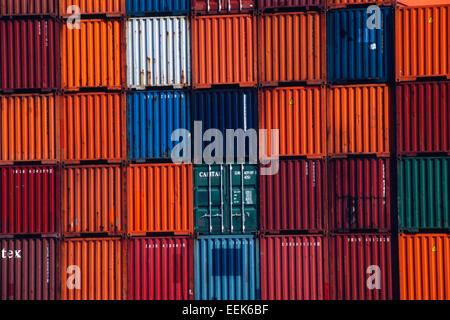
(28, 7)
(29, 200)
(294, 198)
(359, 194)
(28, 271)
(423, 117)
(223, 6)
(294, 268)
(360, 267)
(160, 268)
(289, 4)
(29, 54)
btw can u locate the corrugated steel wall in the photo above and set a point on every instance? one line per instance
(290, 4)
(28, 7)
(143, 7)
(345, 3)
(92, 7)
(223, 6)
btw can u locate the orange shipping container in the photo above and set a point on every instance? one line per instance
(422, 47)
(93, 127)
(424, 261)
(93, 7)
(159, 198)
(224, 50)
(358, 119)
(299, 114)
(92, 199)
(292, 47)
(91, 57)
(28, 126)
(93, 269)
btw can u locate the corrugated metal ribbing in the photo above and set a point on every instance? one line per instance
(92, 199)
(28, 271)
(28, 126)
(227, 268)
(422, 42)
(345, 3)
(29, 200)
(294, 268)
(158, 52)
(29, 53)
(361, 267)
(93, 127)
(152, 117)
(223, 6)
(424, 266)
(28, 7)
(423, 193)
(159, 198)
(294, 198)
(93, 7)
(282, 4)
(291, 47)
(92, 269)
(423, 117)
(142, 7)
(160, 268)
(358, 119)
(91, 57)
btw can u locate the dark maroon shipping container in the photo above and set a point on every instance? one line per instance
(294, 198)
(359, 193)
(423, 117)
(360, 267)
(223, 6)
(28, 7)
(29, 54)
(29, 200)
(28, 269)
(284, 4)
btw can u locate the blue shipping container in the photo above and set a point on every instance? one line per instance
(152, 116)
(142, 7)
(226, 268)
(360, 45)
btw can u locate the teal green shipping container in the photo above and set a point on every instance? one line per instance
(423, 194)
(226, 198)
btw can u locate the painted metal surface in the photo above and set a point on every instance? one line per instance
(93, 127)
(111, 8)
(291, 47)
(422, 42)
(348, 3)
(424, 261)
(295, 198)
(92, 199)
(359, 45)
(226, 268)
(224, 51)
(160, 268)
(28, 7)
(28, 128)
(158, 52)
(223, 6)
(290, 4)
(299, 115)
(423, 193)
(91, 57)
(294, 267)
(28, 270)
(152, 118)
(226, 198)
(358, 119)
(423, 117)
(143, 7)
(100, 265)
(361, 267)
(29, 51)
(159, 198)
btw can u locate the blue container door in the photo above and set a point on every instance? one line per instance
(142, 7)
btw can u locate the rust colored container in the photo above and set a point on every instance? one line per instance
(110, 8)
(224, 51)
(92, 57)
(92, 199)
(299, 115)
(28, 127)
(422, 42)
(358, 120)
(28, 7)
(361, 267)
(346, 3)
(28, 269)
(159, 199)
(29, 54)
(223, 6)
(93, 269)
(294, 268)
(289, 4)
(423, 118)
(160, 268)
(291, 48)
(93, 127)
(424, 261)
(295, 198)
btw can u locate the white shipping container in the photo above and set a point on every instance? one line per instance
(158, 52)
